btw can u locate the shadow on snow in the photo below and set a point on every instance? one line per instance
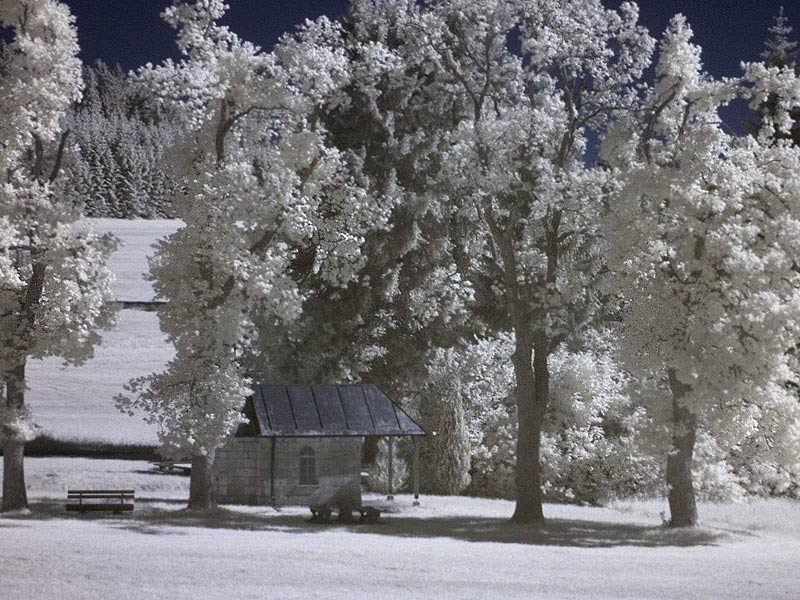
(155, 520)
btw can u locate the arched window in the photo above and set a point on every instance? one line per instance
(308, 466)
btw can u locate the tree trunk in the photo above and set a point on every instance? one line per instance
(682, 506)
(447, 454)
(533, 387)
(201, 486)
(14, 495)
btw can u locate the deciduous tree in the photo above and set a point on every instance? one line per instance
(477, 122)
(260, 185)
(54, 286)
(526, 83)
(703, 243)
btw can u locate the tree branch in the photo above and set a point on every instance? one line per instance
(59, 156)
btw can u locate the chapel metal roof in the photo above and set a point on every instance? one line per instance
(329, 410)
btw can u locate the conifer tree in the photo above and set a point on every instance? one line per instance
(118, 166)
(780, 52)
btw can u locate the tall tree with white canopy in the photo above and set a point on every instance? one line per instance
(523, 84)
(259, 183)
(54, 286)
(474, 119)
(703, 243)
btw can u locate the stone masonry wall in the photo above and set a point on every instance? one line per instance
(338, 462)
(242, 471)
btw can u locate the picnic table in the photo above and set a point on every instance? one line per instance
(324, 513)
(173, 466)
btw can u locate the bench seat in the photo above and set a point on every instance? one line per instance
(100, 500)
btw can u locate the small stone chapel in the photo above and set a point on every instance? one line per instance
(303, 444)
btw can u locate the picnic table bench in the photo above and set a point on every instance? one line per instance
(323, 513)
(174, 466)
(100, 500)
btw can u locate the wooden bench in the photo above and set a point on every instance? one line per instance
(323, 513)
(100, 500)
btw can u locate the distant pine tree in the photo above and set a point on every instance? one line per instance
(780, 51)
(117, 169)
(379, 473)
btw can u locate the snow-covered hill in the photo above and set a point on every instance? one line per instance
(76, 402)
(129, 262)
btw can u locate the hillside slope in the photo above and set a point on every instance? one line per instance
(76, 402)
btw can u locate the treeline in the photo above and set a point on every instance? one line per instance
(116, 166)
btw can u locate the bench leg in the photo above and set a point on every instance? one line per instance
(321, 515)
(345, 515)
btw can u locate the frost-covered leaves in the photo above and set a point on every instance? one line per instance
(54, 287)
(703, 243)
(262, 191)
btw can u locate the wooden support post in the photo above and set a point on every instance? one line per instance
(390, 442)
(416, 471)
(272, 473)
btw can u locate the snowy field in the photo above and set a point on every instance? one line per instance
(447, 548)
(76, 402)
(129, 262)
(456, 548)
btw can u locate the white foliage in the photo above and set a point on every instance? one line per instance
(259, 185)
(54, 287)
(42, 77)
(379, 472)
(592, 445)
(117, 169)
(703, 243)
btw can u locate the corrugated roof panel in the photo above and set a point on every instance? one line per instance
(262, 416)
(407, 424)
(355, 409)
(330, 409)
(279, 409)
(304, 408)
(381, 409)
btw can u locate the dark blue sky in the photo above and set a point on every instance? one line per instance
(131, 33)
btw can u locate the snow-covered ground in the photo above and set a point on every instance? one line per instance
(76, 402)
(447, 548)
(129, 262)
